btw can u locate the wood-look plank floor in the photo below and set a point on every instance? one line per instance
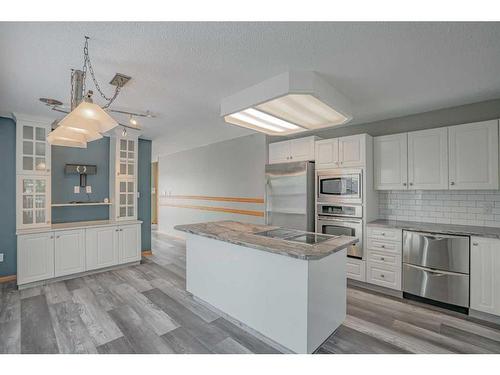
(146, 309)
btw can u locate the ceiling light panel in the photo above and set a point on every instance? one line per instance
(289, 103)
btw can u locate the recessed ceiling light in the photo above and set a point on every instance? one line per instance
(289, 103)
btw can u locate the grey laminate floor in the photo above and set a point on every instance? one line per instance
(145, 309)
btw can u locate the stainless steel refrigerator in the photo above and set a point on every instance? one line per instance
(290, 195)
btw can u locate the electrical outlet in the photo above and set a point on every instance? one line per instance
(76, 189)
(138, 194)
(1, 257)
(88, 189)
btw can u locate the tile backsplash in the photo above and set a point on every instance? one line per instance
(467, 207)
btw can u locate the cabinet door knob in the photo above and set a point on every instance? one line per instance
(404, 183)
(411, 183)
(382, 258)
(382, 275)
(452, 183)
(475, 244)
(291, 157)
(382, 246)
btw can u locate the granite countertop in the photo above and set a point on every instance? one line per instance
(468, 230)
(77, 225)
(244, 234)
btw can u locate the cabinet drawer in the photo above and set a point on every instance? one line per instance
(389, 259)
(356, 269)
(385, 246)
(388, 234)
(386, 276)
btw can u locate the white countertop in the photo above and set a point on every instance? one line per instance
(77, 225)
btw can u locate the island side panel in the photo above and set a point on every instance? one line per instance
(265, 291)
(327, 299)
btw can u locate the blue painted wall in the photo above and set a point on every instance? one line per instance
(96, 153)
(144, 188)
(8, 240)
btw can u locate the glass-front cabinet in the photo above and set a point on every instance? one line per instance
(33, 201)
(33, 150)
(124, 172)
(33, 164)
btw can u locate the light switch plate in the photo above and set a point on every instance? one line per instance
(76, 190)
(88, 189)
(1, 257)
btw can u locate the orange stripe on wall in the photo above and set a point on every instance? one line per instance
(216, 209)
(218, 199)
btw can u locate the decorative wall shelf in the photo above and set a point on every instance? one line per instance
(81, 204)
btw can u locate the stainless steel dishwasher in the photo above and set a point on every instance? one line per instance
(436, 267)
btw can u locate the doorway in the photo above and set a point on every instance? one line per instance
(154, 192)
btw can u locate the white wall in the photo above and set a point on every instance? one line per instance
(232, 168)
(464, 207)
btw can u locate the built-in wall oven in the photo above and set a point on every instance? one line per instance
(342, 219)
(340, 185)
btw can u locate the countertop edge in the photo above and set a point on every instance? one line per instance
(335, 249)
(75, 225)
(465, 230)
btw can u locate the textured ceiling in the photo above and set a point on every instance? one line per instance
(182, 70)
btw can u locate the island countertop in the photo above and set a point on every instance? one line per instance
(245, 234)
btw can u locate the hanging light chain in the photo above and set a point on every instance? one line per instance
(88, 64)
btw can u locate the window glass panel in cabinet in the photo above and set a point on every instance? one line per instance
(123, 187)
(40, 186)
(27, 201)
(27, 216)
(40, 201)
(123, 168)
(27, 148)
(123, 211)
(39, 148)
(130, 199)
(27, 132)
(28, 163)
(123, 145)
(131, 146)
(130, 211)
(40, 216)
(130, 186)
(123, 154)
(40, 164)
(131, 169)
(40, 134)
(123, 199)
(28, 186)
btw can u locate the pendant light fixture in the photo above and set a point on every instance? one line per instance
(87, 121)
(292, 102)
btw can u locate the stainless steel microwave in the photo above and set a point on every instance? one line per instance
(339, 186)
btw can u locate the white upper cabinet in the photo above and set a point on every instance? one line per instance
(352, 151)
(390, 162)
(327, 153)
(33, 150)
(485, 275)
(474, 155)
(343, 152)
(428, 159)
(300, 149)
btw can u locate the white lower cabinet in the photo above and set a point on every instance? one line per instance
(485, 275)
(130, 243)
(69, 252)
(356, 269)
(102, 247)
(35, 257)
(384, 257)
(45, 255)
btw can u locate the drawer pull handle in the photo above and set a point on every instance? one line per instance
(382, 246)
(382, 275)
(383, 234)
(382, 258)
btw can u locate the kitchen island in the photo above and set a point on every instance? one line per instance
(288, 286)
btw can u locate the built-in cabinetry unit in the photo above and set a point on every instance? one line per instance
(384, 252)
(457, 157)
(61, 252)
(300, 149)
(123, 175)
(341, 152)
(485, 275)
(33, 194)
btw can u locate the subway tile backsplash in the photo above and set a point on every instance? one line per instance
(466, 207)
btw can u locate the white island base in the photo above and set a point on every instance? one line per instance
(294, 302)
